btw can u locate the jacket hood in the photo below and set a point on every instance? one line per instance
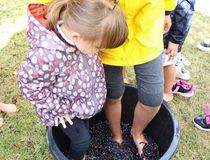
(38, 34)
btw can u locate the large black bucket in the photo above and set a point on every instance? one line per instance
(163, 129)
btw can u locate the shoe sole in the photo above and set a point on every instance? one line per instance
(203, 48)
(184, 94)
(199, 127)
(184, 78)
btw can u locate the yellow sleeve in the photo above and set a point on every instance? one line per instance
(170, 4)
(44, 1)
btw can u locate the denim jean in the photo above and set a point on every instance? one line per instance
(79, 137)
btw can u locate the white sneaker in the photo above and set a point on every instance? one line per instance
(182, 60)
(182, 73)
(204, 46)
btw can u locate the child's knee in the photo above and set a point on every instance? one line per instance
(153, 100)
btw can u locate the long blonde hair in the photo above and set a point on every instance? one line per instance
(93, 19)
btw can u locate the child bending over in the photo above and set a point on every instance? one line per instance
(62, 75)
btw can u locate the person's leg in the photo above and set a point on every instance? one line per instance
(150, 92)
(169, 81)
(1, 122)
(142, 116)
(112, 110)
(8, 107)
(78, 133)
(124, 75)
(112, 107)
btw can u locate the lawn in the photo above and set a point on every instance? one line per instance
(23, 137)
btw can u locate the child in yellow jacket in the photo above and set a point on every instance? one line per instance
(147, 21)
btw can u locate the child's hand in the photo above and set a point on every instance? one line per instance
(62, 120)
(172, 50)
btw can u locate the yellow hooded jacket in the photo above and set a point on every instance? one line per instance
(145, 19)
(44, 1)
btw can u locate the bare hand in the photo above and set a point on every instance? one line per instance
(167, 24)
(172, 50)
(8, 107)
(62, 120)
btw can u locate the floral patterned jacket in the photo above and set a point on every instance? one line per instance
(57, 78)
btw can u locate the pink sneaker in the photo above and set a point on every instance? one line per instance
(183, 88)
(207, 114)
(202, 122)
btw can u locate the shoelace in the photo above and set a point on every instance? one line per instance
(183, 70)
(185, 84)
(207, 111)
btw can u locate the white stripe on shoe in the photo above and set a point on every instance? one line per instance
(202, 48)
(199, 127)
(184, 94)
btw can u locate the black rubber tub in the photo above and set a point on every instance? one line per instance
(163, 129)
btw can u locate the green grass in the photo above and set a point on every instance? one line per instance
(23, 137)
(11, 9)
(195, 144)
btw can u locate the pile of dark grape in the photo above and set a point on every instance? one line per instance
(103, 147)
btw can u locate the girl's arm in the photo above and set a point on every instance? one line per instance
(182, 18)
(169, 6)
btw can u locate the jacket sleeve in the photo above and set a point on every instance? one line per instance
(44, 1)
(181, 21)
(36, 78)
(170, 5)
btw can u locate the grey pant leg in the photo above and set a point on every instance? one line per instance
(114, 81)
(149, 77)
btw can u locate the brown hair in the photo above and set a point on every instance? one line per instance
(93, 19)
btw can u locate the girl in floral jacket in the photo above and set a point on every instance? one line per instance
(62, 75)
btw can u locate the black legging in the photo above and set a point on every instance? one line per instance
(79, 136)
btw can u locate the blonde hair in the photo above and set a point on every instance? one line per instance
(93, 19)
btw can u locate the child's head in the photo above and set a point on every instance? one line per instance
(91, 24)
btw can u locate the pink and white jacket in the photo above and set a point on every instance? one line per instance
(57, 78)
